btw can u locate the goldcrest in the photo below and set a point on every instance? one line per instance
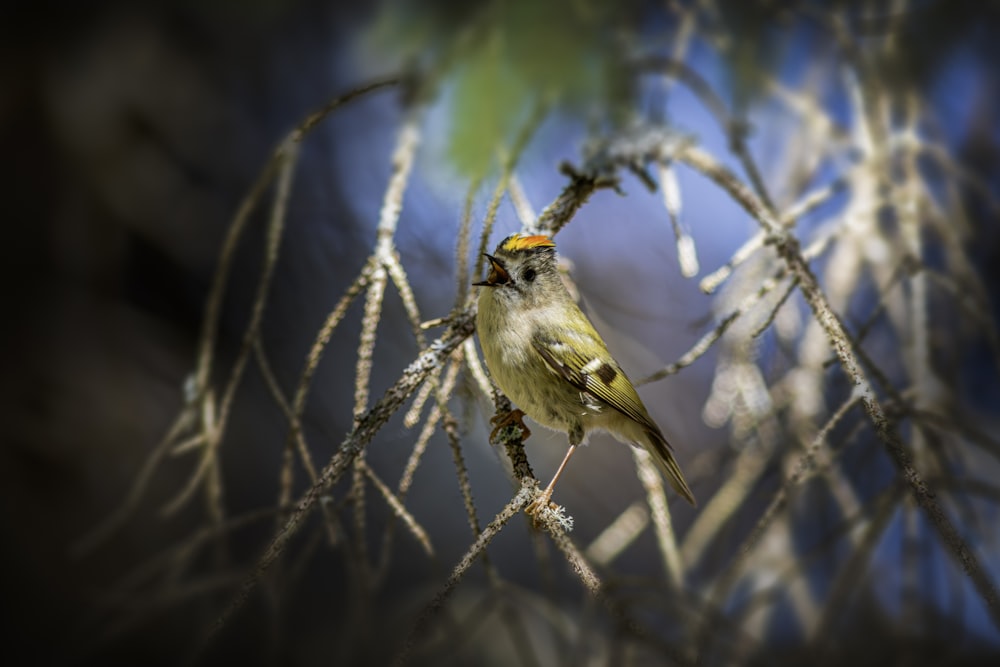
(546, 356)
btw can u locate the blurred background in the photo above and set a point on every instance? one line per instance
(132, 134)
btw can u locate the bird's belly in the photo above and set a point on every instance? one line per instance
(549, 401)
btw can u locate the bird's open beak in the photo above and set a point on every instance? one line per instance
(498, 274)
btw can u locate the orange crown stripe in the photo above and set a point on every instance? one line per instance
(518, 242)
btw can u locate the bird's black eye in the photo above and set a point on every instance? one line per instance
(529, 275)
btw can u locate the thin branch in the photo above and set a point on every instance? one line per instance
(247, 206)
(525, 212)
(619, 534)
(515, 505)
(416, 455)
(183, 422)
(220, 419)
(398, 509)
(736, 130)
(652, 482)
(766, 324)
(462, 275)
(576, 560)
(365, 429)
(788, 249)
(706, 341)
(687, 254)
(392, 203)
(747, 470)
(851, 573)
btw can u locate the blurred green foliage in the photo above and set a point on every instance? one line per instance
(495, 60)
(500, 59)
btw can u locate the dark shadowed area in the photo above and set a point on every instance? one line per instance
(781, 216)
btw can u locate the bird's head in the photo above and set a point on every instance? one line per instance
(523, 269)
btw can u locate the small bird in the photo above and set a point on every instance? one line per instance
(547, 357)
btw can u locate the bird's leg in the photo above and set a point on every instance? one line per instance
(543, 500)
(575, 437)
(512, 418)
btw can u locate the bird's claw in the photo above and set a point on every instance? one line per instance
(539, 504)
(512, 418)
(545, 513)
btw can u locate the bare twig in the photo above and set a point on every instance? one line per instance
(366, 427)
(788, 249)
(516, 504)
(399, 509)
(383, 256)
(652, 482)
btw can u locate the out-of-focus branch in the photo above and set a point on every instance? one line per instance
(788, 250)
(366, 427)
(516, 504)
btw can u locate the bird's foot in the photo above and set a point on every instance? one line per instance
(512, 418)
(540, 504)
(547, 514)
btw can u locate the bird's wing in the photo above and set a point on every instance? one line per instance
(603, 379)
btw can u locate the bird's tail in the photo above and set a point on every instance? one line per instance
(658, 446)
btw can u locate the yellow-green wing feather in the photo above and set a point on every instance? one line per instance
(603, 379)
(606, 380)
